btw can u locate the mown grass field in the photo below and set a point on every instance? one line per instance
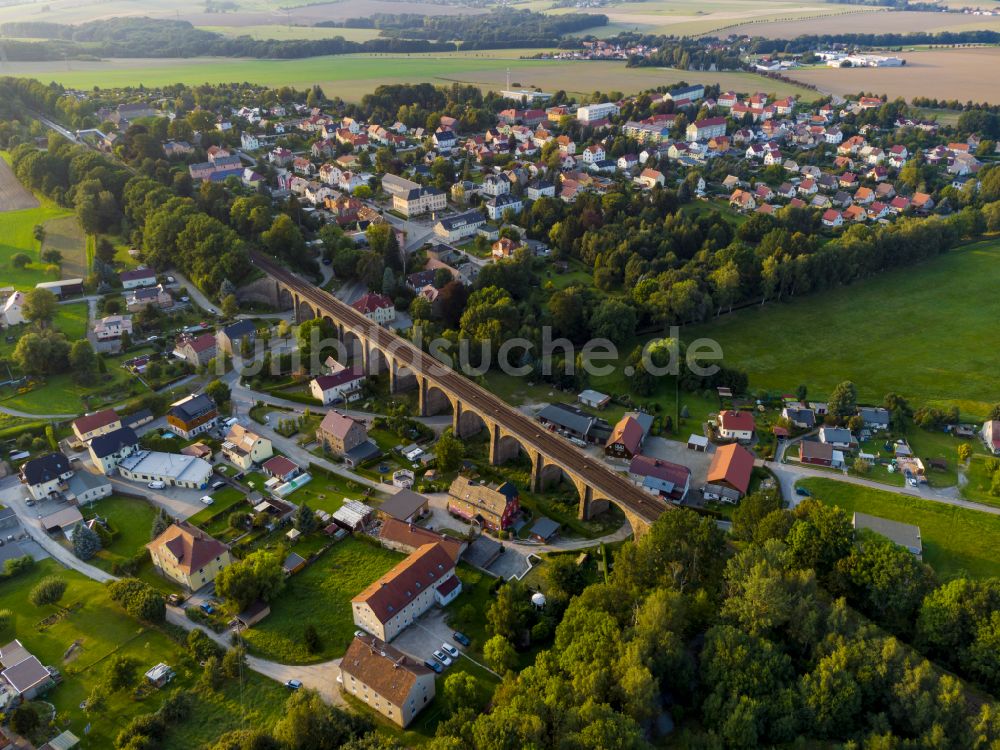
(80, 643)
(353, 76)
(132, 519)
(921, 332)
(956, 541)
(18, 236)
(320, 595)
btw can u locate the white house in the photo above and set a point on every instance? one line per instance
(595, 112)
(112, 327)
(342, 385)
(593, 153)
(46, 474)
(12, 310)
(377, 308)
(497, 204)
(736, 425)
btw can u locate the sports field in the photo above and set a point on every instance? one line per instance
(922, 332)
(937, 73)
(353, 76)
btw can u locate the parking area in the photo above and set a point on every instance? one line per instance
(426, 635)
(678, 453)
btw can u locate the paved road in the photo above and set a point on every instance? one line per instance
(788, 474)
(195, 293)
(321, 677)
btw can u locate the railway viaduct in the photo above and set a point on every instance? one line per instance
(473, 408)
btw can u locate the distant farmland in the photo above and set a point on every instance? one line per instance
(352, 76)
(886, 21)
(960, 74)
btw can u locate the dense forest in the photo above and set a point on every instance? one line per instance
(795, 632)
(501, 28)
(819, 41)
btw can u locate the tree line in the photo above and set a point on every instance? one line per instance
(145, 37)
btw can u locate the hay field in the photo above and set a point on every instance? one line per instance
(13, 195)
(961, 74)
(680, 17)
(352, 76)
(249, 13)
(887, 21)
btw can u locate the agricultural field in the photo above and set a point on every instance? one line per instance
(248, 13)
(888, 21)
(87, 629)
(692, 19)
(352, 76)
(67, 236)
(283, 32)
(320, 595)
(916, 331)
(955, 540)
(936, 73)
(13, 195)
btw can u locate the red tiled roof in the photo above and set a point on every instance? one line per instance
(425, 568)
(279, 466)
(736, 420)
(371, 302)
(95, 421)
(732, 464)
(628, 432)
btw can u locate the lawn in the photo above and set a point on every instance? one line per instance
(956, 541)
(67, 236)
(58, 394)
(132, 520)
(320, 595)
(95, 629)
(979, 481)
(917, 331)
(327, 491)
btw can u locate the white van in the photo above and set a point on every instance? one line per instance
(156, 485)
(206, 500)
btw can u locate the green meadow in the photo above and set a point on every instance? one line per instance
(352, 76)
(922, 331)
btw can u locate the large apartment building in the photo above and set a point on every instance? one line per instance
(412, 199)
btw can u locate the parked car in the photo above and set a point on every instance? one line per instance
(293, 684)
(206, 500)
(207, 608)
(29, 502)
(461, 638)
(431, 664)
(803, 492)
(156, 485)
(450, 650)
(218, 485)
(442, 657)
(360, 634)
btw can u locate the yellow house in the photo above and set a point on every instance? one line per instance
(245, 448)
(90, 426)
(188, 556)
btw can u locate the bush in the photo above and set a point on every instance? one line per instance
(139, 599)
(310, 637)
(201, 646)
(49, 590)
(24, 720)
(177, 706)
(6, 620)
(151, 726)
(17, 565)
